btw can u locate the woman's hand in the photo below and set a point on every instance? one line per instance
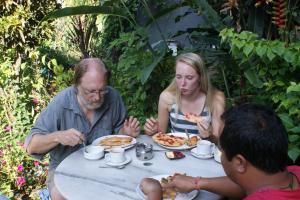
(203, 128)
(151, 126)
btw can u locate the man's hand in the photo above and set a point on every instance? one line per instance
(131, 127)
(151, 126)
(70, 137)
(181, 183)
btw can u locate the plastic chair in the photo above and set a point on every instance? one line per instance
(44, 194)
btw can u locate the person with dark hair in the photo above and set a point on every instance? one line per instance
(81, 113)
(254, 149)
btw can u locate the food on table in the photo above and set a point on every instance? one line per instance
(116, 141)
(169, 139)
(172, 155)
(191, 117)
(168, 193)
(193, 140)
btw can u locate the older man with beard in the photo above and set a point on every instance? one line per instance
(81, 113)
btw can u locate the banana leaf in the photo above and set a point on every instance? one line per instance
(210, 14)
(84, 10)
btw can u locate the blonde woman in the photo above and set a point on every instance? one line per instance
(189, 92)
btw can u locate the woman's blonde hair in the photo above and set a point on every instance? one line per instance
(196, 62)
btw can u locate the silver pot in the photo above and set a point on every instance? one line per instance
(144, 151)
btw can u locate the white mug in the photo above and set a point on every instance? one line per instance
(117, 155)
(205, 147)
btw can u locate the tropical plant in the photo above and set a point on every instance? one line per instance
(274, 68)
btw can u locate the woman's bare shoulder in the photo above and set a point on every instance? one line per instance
(167, 97)
(218, 95)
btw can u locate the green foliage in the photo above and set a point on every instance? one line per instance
(277, 68)
(131, 65)
(24, 91)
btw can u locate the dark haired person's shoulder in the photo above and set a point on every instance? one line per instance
(294, 169)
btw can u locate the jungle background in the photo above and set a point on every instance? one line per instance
(251, 48)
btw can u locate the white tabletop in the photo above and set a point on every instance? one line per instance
(78, 178)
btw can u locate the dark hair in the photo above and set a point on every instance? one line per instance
(82, 67)
(256, 133)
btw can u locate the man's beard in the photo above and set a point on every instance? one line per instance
(91, 106)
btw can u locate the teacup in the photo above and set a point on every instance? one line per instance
(205, 147)
(93, 152)
(116, 155)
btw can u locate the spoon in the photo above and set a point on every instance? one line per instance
(84, 146)
(117, 167)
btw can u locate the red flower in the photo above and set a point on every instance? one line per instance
(3, 162)
(20, 181)
(20, 168)
(36, 163)
(35, 101)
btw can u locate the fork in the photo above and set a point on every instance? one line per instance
(188, 136)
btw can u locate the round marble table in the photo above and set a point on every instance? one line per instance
(78, 178)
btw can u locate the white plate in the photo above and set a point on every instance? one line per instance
(125, 146)
(182, 147)
(180, 196)
(107, 162)
(201, 156)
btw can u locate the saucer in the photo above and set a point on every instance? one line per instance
(201, 156)
(107, 162)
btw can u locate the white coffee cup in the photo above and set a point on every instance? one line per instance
(117, 155)
(205, 147)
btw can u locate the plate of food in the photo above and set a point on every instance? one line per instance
(176, 141)
(170, 193)
(110, 141)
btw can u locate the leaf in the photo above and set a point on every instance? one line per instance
(293, 88)
(238, 43)
(270, 54)
(164, 11)
(287, 121)
(294, 138)
(147, 70)
(253, 78)
(44, 59)
(289, 57)
(248, 49)
(84, 10)
(210, 14)
(261, 51)
(279, 48)
(294, 153)
(295, 129)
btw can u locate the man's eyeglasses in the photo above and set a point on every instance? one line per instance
(94, 92)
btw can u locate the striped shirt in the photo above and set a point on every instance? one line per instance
(179, 124)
